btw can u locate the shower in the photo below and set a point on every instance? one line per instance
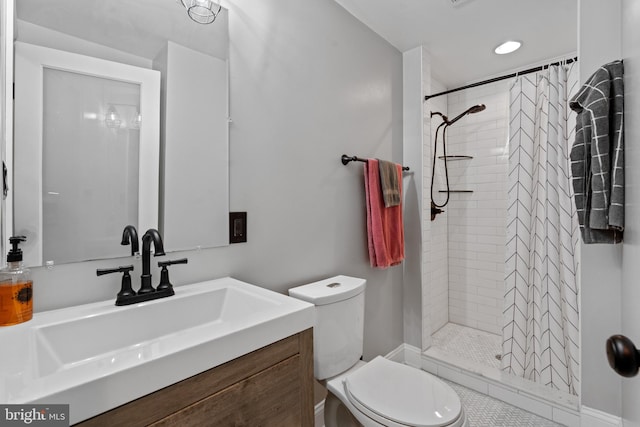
(505, 254)
(436, 208)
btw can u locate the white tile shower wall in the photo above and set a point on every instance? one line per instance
(438, 274)
(477, 221)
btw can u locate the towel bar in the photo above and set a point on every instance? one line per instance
(346, 159)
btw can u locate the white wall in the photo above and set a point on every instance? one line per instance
(631, 248)
(413, 69)
(477, 221)
(308, 82)
(436, 251)
(431, 303)
(601, 266)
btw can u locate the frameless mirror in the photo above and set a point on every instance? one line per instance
(121, 117)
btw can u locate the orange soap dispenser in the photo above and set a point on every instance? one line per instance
(16, 287)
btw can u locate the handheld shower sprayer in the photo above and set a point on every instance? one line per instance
(470, 110)
(476, 108)
(436, 208)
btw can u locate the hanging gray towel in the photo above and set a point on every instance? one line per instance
(389, 184)
(597, 156)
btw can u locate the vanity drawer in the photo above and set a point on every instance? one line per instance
(269, 399)
(272, 386)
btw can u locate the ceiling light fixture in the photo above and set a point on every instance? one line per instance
(507, 47)
(202, 11)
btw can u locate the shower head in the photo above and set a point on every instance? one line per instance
(476, 108)
(470, 110)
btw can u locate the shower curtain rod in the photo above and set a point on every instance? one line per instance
(497, 79)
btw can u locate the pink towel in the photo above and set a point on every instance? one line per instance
(385, 231)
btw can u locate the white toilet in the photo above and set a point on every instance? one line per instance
(378, 393)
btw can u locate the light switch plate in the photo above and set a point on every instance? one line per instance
(237, 227)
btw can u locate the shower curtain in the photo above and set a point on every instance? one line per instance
(540, 333)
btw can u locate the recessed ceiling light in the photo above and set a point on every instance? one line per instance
(507, 47)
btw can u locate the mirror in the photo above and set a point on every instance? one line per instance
(171, 174)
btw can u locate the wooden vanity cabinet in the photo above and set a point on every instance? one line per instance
(272, 386)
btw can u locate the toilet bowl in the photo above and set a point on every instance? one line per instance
(380, 392)
(387, 393)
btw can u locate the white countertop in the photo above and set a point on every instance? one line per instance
(97, 356)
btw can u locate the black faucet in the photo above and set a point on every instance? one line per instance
(146, 292)
(130, 236)
(151, 235)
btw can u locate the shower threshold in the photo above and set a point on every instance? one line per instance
(468, 356)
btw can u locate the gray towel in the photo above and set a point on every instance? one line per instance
(389, 184)
(597, 156)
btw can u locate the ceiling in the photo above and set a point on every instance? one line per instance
(139, 27)
(461, 34)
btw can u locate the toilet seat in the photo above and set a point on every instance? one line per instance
(394, 394)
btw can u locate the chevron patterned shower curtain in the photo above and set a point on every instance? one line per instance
(540, 333)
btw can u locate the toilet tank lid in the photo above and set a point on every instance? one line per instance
(329, 290)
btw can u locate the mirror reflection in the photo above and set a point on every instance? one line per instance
(97, 147)
(77, 142)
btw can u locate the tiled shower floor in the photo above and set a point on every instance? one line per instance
(471, 344)
(485, 411)
(468, 356)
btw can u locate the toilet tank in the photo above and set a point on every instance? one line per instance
(339, 322)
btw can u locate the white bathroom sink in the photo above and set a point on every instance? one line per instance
(74, 354)
(112, 332)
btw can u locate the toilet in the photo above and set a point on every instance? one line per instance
(380, 392)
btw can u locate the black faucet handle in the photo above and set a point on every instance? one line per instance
(165, 284)
(126, 291)
(122, 269)
(172, 262)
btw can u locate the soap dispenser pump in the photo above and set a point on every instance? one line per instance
(16, 287)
